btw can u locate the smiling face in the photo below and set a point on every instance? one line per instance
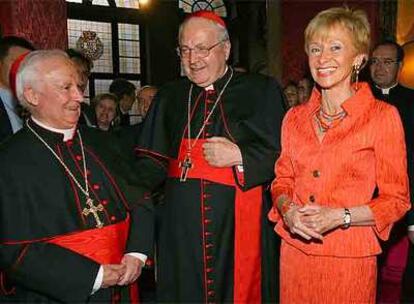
(105, 112)
(201, 33)
(55, 96)
(331, 58)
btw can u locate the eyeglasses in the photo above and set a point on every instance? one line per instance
(202, 52)
(384, 62)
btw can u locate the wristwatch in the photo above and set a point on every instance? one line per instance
(347, 218)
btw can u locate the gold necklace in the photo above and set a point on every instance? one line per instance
(91, 207)
(187, 163)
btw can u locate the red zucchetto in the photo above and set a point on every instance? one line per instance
(208, 15)
(13, 72)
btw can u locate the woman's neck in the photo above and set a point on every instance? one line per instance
(332, 99)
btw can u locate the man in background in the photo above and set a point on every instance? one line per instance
(385, 67)
(125, 91)
(145, 95)
(11, 47)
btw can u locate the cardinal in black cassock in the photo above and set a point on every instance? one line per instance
(213, 241)
(68, 225)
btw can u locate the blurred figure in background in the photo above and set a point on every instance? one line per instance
(84, 67)
(291, 94)
(385, 67)
(145, 95)
(125, 92)
(305, 86)
(11, 48)
(106, 110)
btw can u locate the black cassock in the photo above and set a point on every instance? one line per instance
(39, 202)
(195, 223)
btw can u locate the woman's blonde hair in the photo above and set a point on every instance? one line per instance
(355, 21)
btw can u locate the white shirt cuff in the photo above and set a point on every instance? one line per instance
(140, 256)
(98, 281)
(410, 228)
(99, 277)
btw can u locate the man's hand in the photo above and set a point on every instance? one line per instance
(133, 270)
(221, 152)
(111, 274)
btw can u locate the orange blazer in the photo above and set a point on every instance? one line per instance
(366, 150)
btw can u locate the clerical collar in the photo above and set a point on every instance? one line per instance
(211, 86)
(67, 133)
(386, 91)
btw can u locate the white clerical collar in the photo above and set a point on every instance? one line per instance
(211, 86)
(67, 133)
(386, 91)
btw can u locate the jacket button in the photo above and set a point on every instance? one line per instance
(316, 173)
(312, 198)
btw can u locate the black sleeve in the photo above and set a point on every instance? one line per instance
(260, 143)
(50, 270)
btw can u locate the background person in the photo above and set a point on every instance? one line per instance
(106, 110)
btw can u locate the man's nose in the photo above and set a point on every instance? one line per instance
(193, 56)
(77, 94)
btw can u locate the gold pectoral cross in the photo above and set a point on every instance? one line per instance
(94, 211)
(185, 166)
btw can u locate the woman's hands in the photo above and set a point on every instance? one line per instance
(312, 221)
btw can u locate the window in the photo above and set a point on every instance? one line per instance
(116, 27)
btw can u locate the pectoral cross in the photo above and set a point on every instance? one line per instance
(185, 166)
(94, 211)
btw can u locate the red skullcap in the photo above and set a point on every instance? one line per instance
(13, 72)
(208, 15)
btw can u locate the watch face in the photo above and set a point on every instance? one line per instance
(347, 219)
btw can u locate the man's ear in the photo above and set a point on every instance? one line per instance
(227, 48)
(31, 96)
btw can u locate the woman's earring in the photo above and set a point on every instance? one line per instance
(355, 75)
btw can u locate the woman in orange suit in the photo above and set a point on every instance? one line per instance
(336, 150)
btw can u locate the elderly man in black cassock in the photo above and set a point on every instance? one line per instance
(213, 138)
(67, 232)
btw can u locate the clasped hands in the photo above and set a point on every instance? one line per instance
(312, 221)
(124, 273)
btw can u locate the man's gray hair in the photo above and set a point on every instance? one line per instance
(30, 70)
(222, 31)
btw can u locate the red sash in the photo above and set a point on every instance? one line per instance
(103, 245)
(248, 208)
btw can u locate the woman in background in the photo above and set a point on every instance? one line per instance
(106, 112)
(336, 149)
